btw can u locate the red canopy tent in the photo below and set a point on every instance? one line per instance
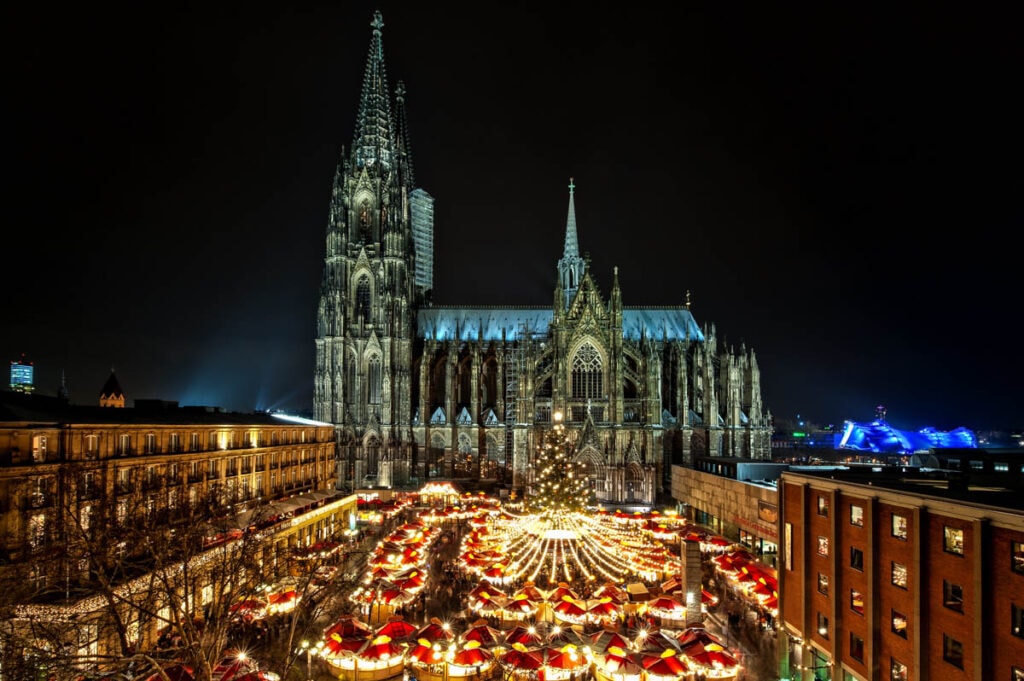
(527, 636)
(472, 655)
(434, 631)
(397, 629)
(604, 640)
(566, 657)
(484, 634)
(519, 657)
(422, 652)
(605, 607)
(559, 593)
(617, 661)
(381, 648)
(666, 664)
(531, 592)
(569, 607)
(520, 604)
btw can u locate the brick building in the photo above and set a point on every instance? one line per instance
(901, 575)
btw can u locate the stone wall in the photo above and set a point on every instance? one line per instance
(733, 505)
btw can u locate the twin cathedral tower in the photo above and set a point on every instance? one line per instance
(420, 391)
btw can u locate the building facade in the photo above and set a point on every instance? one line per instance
(897, 581)
(85, 491)
(420, 391)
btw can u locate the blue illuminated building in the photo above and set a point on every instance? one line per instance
(22, 375)
(880, 437)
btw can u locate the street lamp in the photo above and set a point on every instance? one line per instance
(309, 660)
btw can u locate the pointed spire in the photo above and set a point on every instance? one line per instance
(404, 148)
(375, 139)
(572, 245)
(571, 267)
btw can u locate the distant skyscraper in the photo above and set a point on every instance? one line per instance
(22, 375)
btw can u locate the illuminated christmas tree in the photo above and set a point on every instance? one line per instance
(560, 484)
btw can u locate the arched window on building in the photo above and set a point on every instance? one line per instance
(363, 298)
(350, 378)
(374, 380)
(587, 374)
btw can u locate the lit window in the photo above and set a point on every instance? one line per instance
(823, 584)
(899, 624)
(1017, 559)
(38, 448)
(953, 596)
(857, 601)
(92, 446)
(856, 647)
(822, 546)
(899, 575)
(953, 651)
(899, 526)
(953, 540)
(823, 506)
(37, 530)
(822, 626)
(1017, 674)
(857, 516)
(587, 373)
(898, 671)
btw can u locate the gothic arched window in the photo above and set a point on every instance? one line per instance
(363, 298)
(350, 378)
(373, 380)
(587, 374)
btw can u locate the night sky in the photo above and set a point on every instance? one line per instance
(839, 189)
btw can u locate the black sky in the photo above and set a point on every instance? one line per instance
(837, 188)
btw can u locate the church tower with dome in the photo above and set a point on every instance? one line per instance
(420, 391)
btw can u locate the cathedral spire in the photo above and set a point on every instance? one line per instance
(572, 245)
(571, 267)
(404, 150)
(374, 142)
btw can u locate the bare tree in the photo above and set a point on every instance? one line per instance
(132, 586)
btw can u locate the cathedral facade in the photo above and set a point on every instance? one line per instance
(420, 391)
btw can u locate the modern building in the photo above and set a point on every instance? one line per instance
(80, 485)
(22, 375)
(422, 391)
(901, 574)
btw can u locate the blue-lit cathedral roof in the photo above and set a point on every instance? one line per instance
(511, 323)
(880, 437)
(455, 323)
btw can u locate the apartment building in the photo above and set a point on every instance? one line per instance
(73, 474)
(900, 575)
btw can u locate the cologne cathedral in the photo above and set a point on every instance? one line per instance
(420, 391)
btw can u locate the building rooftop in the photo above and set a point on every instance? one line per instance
(44, 409)
(1003, 491)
